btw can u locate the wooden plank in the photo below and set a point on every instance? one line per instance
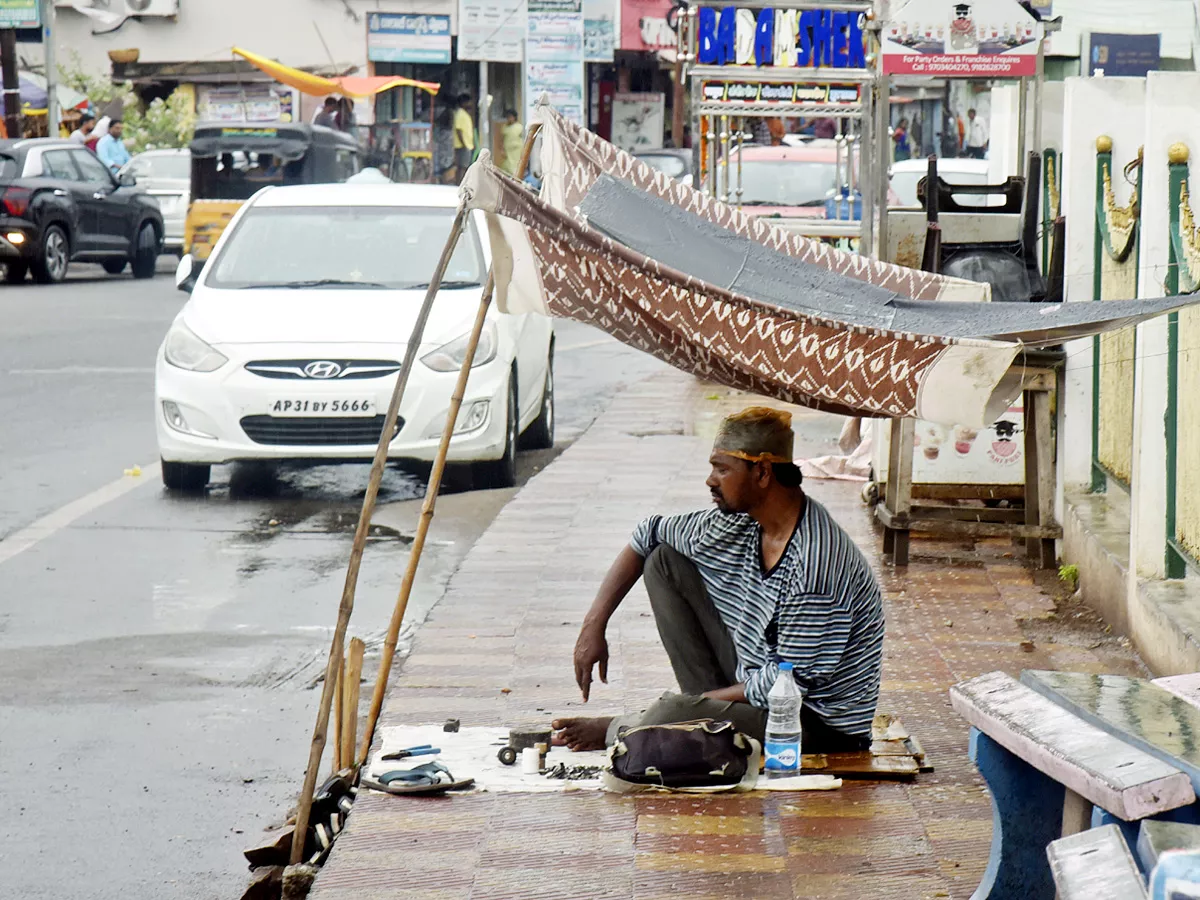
(1134, 710)
(1039, 475)
(969, 514)
(860, 764)
(970, 529)
(1095, 864)
(1077, 814)
(1156, 836)
(1113, 775)
(930, 491)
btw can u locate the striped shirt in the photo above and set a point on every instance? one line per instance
(819, 608)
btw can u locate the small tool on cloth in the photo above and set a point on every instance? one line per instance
(422, 750)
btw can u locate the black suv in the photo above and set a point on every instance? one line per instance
(59, 203)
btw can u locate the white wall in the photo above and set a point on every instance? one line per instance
(206, 29)
(1091, 107)
(1171, 115)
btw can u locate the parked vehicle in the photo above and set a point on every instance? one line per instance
(296, 327)
(907, 174)
(166, 176)
(59, 204)
(675, 163)
(232, 162)
(785, 182)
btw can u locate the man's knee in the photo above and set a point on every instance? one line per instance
(669, 572)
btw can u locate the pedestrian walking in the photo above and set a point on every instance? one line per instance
(87, 124)
(900, 139)
(977, 136)
(98, 132)
(512, 140)
(464, 135)
(111, 148)
(327, 115)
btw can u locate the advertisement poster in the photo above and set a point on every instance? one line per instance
(960, 455)
(599, 30)
(638, 121)
(554, 56)
(491, 30)
(945, 39)
(20, 14)
(249, 103)
(398, 38)
(1131, 55)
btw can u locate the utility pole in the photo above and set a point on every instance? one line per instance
(53, 113)
(12, 84)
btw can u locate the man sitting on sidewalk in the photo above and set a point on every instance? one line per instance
(764, 578)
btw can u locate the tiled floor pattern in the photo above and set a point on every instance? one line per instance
(508, 623)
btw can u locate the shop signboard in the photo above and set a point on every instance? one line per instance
(760, 93)
(1131, 55)
(645, 25)
(491, 30)
(599, 30)
(554, 56)
(20, 14)
(404, 38)
(248, 103)
(960, 455)
(948, 39)
(779, 38)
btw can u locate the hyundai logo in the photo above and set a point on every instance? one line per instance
(323, 368)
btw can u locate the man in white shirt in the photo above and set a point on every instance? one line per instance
(87, 123)
(977, 136)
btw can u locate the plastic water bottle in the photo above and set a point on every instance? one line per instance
(782, 745)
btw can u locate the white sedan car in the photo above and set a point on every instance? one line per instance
(166, 176)
(289, 346)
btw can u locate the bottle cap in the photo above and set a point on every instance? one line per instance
(785, 667)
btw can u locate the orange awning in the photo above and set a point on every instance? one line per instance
(319, 86)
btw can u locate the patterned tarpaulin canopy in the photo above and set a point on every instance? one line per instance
(319, 86)
(729, 298)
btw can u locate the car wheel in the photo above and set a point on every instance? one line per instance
(540, 435)
(186, 478)
(14, 272)
(115, 266)
(50, 267)
(502, 472)
(145, 254)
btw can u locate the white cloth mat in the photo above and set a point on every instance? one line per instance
(470, 752)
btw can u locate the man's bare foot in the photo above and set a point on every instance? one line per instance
(581, 734)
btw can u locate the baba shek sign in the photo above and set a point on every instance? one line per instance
(781, 38)
(948, 39)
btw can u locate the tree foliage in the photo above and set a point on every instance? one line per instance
(162, 123)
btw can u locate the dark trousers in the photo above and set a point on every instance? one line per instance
(704, 659)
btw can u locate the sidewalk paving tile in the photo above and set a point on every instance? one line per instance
(509, 618)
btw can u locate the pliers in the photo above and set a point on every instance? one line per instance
(421, 750)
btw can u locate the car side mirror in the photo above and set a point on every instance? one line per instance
(186, 273)
(127, 179)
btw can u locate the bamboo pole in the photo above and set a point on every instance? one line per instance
(317, 749)
(339, 719)
(431, 492)
(350, 691)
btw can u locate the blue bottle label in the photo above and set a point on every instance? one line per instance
(782, 757)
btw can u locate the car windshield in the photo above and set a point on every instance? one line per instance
(666, 163)
(238, 175)
(772, 182)
(366, 247)
(175, 166)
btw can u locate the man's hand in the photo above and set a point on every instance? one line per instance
(591, 648)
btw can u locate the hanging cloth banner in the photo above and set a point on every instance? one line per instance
(319, 86)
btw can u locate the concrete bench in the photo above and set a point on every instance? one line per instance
(1045, 768)
(1095, 865)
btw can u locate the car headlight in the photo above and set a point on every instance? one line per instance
(186, 351)
(449, 357)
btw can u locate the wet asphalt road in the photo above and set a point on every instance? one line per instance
(157, 654)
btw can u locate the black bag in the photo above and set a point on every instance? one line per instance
(703, 753)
